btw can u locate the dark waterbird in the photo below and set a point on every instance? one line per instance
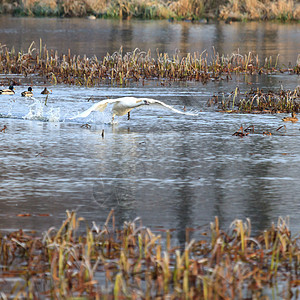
(45, 91)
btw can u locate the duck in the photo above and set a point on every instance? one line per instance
(122, 106)
(293, 118)
(9, 91)
(28, 93)
(45, 91)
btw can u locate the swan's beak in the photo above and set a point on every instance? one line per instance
(146, 102)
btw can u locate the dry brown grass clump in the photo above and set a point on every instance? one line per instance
(189, 9)
(147, 9)
(258, 101)
(104, 262)
(261, 10)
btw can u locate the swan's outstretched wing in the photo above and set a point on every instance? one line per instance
(126, 103)
(157, 102)
(100, 106)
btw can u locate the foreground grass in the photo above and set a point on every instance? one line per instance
(123, 68)
(284, 10)
(134, 263)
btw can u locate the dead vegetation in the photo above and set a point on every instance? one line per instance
(136, 66)
(260, 10)
(283, 10)
(258, 101)
(133, 262)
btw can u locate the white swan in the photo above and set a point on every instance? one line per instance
(124, 105)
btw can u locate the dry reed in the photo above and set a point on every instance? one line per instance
(122, 68)
(135, 263)
(261, 10)
(258, 101)
(152, 9)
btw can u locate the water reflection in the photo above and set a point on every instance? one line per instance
(97, 37)
(180, 177)
(173, 171)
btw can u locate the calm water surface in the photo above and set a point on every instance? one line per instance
(97, 37)
(174, 171)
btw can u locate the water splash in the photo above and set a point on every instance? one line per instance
(36, 111)
(54, 114)
(95, 117)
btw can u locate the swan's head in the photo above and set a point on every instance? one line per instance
(146, 102)
(30, 89)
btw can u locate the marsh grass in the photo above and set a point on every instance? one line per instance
(79, 260)
(258, 101)
(283, 10)
(137, 66)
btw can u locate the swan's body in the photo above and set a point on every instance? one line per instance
(9, 91)
(28, 93)
(122, 106)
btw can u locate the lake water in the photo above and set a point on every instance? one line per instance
(97, 37)
(174, 171)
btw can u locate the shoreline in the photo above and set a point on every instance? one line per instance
(181, 10)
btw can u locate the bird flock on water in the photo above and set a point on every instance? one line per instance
(28, 93)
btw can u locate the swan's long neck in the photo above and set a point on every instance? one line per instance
(139, 103)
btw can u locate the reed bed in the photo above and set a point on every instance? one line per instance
(258, 101)
(284, 10)
(122, 68)
(104, 262)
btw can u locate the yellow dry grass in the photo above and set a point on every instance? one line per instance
(44, 3)
(151, 9)
(261, 9)
(97, 6)
(187, 8)
(285, 8)
(75, 8)
(254, 9)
